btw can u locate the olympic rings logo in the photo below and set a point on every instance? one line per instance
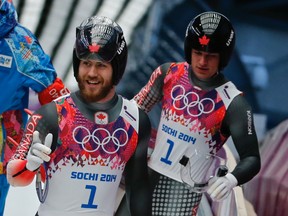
(107, 137)
(182, 96)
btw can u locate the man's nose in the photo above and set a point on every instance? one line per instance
(93, 71)
(203, 60)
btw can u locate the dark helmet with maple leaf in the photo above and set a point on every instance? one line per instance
(210, 32)
(100, 38)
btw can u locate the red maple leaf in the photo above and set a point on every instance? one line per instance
(204, 40)
(94, 47)
(101, 116)
(28, 39)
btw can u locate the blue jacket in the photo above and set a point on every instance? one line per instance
(23, 65)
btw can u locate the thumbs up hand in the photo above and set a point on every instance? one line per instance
(38, 152)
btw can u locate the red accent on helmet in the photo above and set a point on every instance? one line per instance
(204, 40)
(94, 48)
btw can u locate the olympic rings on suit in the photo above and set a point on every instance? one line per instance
(101, 143)
(191, 104)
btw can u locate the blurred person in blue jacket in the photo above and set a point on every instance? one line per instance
(23, 66)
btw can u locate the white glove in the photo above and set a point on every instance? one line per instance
(38, 152)
(220, 187)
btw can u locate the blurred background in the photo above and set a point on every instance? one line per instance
(155, 29)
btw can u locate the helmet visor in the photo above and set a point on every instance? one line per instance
(96, 42)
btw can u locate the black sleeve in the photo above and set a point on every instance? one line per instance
(239, 124)
(152, 92)
(138, 192)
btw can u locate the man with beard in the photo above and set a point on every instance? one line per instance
(89, 138)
